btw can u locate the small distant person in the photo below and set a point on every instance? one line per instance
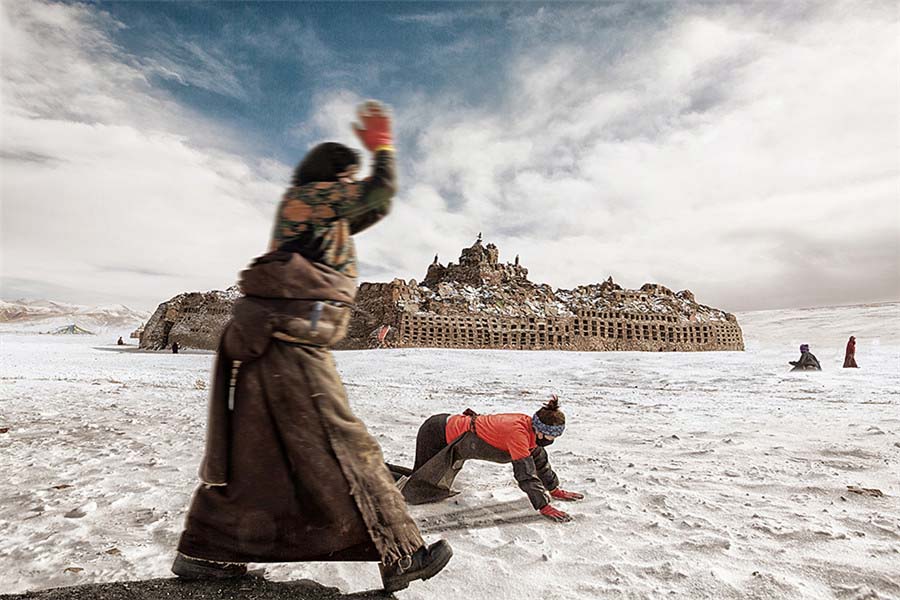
(807, 361)
(850, 354)
(174, 347)
(445, 442)
(120, 341)
(377, 338)
(382, 334)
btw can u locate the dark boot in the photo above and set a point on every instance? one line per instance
(424, 564)
(195, 568)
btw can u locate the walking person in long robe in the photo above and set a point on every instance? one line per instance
(290, 473)
(850, 354)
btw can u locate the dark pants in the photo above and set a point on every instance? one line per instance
(431, 439)
(438, 463)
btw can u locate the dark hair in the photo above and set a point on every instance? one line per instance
(550, 413)
(324, 162)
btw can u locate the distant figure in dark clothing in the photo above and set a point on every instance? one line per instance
(174, 347)
(120, 342)
(807, 362)
(850, 354)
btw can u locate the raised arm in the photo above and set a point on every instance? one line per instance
(374, 131)
(306, 208)
(375, 194)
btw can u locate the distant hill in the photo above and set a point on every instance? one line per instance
(42, 316)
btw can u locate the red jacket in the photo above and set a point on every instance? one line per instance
(511, 432)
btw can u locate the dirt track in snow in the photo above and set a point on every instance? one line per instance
(251, 588)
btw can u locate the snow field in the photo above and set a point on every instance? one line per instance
(708, 475)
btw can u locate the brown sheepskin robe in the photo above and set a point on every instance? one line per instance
(291, 474)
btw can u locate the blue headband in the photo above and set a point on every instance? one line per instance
(554, 430)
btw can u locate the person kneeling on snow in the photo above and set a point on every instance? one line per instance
(445, 442)
(807, 362)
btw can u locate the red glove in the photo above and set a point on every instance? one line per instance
(555, 515)
(561, 494)
(375, 130)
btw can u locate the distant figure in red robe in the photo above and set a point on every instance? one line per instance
(850, 355)
(382, 334)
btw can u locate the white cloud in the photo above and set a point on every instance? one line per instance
(751, 157)
(331, 119)
(109, 187)
(749, 152)
(188, 63)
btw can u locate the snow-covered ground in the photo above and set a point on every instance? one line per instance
(708, 475)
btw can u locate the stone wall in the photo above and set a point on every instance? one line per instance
(587, 331)
(194, 320)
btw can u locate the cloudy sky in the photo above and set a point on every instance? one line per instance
(749, 152)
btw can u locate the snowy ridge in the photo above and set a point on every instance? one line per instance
(41, 316)
(529, 299)
(479, 283)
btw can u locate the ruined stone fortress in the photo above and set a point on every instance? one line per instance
(193, 319)
(482, 303)
(479, 302)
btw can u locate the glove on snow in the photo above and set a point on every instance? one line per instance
(375, 130)
(561, 494)
(555, 515)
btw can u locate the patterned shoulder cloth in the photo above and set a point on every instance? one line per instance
(318, 219)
